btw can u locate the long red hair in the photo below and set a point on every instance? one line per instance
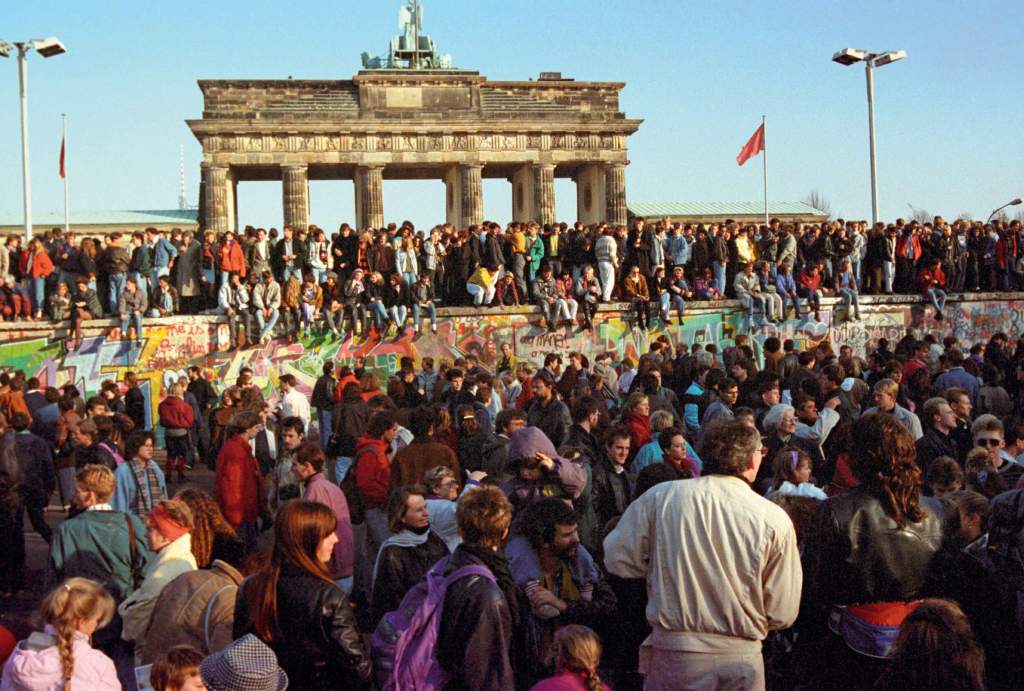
(300, 528)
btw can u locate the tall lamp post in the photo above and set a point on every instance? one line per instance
(47, 47)
(1013, 202)
(851, 56)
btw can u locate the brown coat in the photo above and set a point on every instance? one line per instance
(411, 463)
(180, 614)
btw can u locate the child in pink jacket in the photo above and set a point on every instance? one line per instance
(60, 657)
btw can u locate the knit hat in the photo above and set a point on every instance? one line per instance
(245, 665)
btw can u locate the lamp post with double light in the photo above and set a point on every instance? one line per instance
(851, 56)
(48, 48)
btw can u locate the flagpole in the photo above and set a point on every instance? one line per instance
(64, 144)
(764, 163)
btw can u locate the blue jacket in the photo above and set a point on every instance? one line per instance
(163, 253)
(784, 283)
(677, 249)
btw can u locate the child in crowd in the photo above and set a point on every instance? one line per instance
(793, 475)
(178, 670)
(577, 657)
(60, 657)
(944, 477)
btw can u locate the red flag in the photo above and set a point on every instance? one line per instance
(753, 147)
(62, 157)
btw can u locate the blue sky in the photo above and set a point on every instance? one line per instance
(699, 74)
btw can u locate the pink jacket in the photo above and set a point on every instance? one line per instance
(35, 666)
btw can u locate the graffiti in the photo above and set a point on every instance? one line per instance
(170, 347)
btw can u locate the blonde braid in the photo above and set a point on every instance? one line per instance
(594, 682)
(65, 641)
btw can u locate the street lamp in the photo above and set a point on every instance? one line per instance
(851, 56)
(47, 47)
(1012, 202)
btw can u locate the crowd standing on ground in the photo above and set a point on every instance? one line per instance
(698, 519)
(379, 282)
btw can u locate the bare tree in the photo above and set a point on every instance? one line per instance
(965, 216)
(921, 216)
(817, 200)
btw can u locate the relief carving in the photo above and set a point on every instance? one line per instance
(460, 142)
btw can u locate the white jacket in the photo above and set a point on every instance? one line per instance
(169, 563)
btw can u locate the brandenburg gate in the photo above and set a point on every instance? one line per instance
(420, 123)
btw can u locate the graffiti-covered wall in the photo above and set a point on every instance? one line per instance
(170, 346)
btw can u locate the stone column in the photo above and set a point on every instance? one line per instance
(453, 196)
(215, 182)
(231, 196)
(295, 189)
(370, 196)
(472, 194)
(590, 197)
(523, 196)
(615, 191)
(544, 184)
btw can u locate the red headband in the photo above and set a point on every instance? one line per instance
(165, 525)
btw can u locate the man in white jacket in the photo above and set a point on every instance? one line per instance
(721, 565)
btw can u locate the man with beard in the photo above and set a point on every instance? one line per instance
(571, 589)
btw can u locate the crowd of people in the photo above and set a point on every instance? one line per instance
(694, 520)
(380, 282)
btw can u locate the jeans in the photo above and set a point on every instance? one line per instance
(752, 302)
(849, 298)
(38, 294)
(417, 314)
(481, 295)
(519, 271)
(812, 297)
(398, 314)
(409, 278)
(323, 416)
(116, 287)
(155, 276)
(569, 308)
(379, 313)
(888, 274)
(606, 275)
(668, 300)
(267, 325)
(234, 321)
(319, 275)
(938, 298)
(133, 319)
(290, 271)
(719, 270)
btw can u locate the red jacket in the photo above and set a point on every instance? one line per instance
(928, 278)
(239, 485)
(41, 265)
(232, 258)
(901, 246)
(175, 413)
(805, 280)
(373, 471)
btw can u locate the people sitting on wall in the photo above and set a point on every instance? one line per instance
(487, 265)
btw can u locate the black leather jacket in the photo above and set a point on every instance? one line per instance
(475, 610)
(316, 640)
(856, 554)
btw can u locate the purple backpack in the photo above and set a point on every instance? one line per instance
(404, 642)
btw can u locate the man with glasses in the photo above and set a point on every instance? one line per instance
(987, 431)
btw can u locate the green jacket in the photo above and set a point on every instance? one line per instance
(94, 544)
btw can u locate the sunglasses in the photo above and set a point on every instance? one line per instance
(989, 441)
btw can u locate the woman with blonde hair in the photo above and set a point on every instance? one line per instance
(60, 658)
(577, 656)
